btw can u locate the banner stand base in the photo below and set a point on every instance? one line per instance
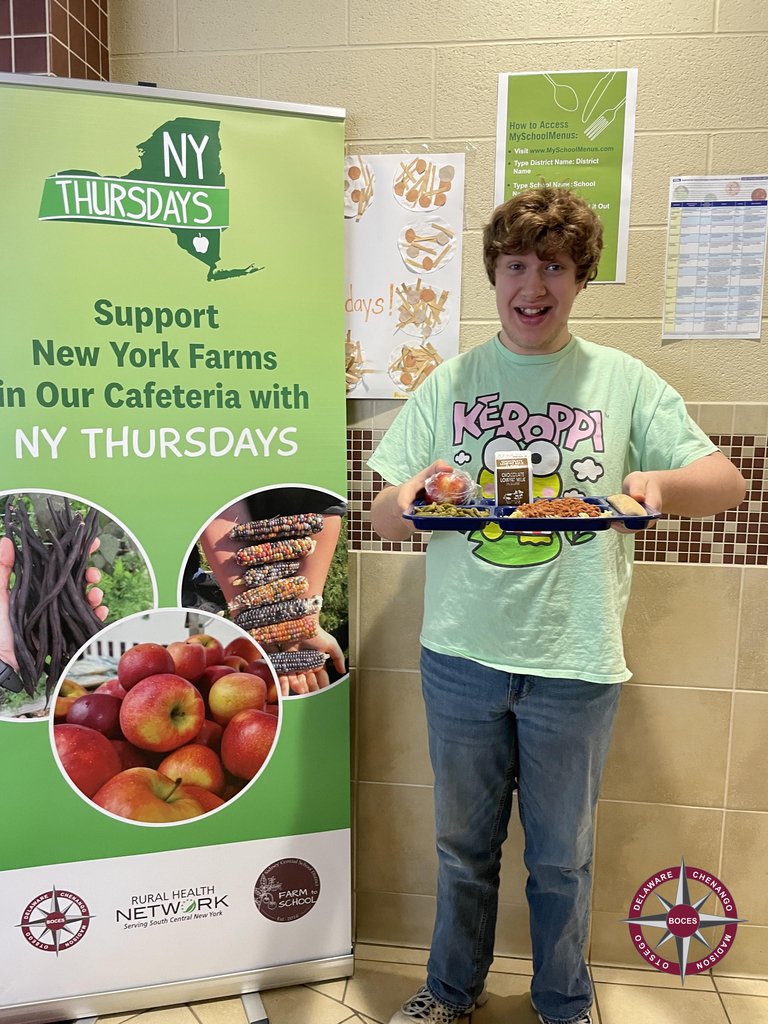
(254, 1008)
(252, 1005)
(88, 1009)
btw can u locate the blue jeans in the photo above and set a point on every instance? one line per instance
(491, 732)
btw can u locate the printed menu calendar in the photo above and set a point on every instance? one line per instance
(715, 257)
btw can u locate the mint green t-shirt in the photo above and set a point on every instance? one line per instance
(539, 604)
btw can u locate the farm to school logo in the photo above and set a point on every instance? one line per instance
(286, 890)
(55, 920)
(683, 921)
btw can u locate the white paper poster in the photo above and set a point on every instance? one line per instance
(404, 222)
(715, 256)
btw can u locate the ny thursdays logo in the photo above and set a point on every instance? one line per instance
(682, 921)
(179, 185)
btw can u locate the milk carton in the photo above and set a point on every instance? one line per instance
(513, 478)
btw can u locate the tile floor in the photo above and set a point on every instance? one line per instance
(385, 976)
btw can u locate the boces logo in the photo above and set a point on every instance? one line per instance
(681, 930)
(179, 185)
(55, 920)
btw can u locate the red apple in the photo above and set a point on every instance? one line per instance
(207, 800)
(87, 756)
(210, 735)
(247, 741)
(141, 661)
(195, 765)
(242, 647)
(236, 692)
(263, 668)
(112, 686)
(233, 786)
(209, 677)
(188, 659)
(214, 651)
(130, 756)
(99, 711)
(161, 712)
(143, 794)
(272, 709)
(449, 485)
(235, 661)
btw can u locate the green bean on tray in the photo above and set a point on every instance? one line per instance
(445, 508)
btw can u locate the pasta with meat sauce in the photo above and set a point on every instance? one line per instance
(559, 508)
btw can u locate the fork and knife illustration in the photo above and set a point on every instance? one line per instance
(596, 125)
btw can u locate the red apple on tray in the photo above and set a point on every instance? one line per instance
(449, 485)
(236, 692)
(188, 659)
(247, 741)
(99, 711)
(213, 648)
(195, 765)
(143, 794)
(141, 661)
(162, 712)
(87, 756)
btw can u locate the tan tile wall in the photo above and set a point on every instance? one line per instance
(688, 764)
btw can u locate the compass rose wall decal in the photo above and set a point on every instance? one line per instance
(685, 926)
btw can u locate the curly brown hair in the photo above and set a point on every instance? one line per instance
(547, 221)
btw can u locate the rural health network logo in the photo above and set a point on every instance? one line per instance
(171, 907)
(682, 921)
(55, 920)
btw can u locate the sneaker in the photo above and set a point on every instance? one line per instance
(423, 1008)
(585, 1018)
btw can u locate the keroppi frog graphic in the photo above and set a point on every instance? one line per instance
(552, 438)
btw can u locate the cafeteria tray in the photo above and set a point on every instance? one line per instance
(502, 516)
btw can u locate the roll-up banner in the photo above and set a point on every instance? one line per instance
(174, 733)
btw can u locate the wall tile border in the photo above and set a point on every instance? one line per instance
(736, 537)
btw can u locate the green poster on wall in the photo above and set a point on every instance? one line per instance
(173, 625)
(573, 129)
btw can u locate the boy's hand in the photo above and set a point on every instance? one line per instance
(643, 487)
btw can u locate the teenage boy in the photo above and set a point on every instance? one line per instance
(522, 659)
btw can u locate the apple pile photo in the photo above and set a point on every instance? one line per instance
(180, 730)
